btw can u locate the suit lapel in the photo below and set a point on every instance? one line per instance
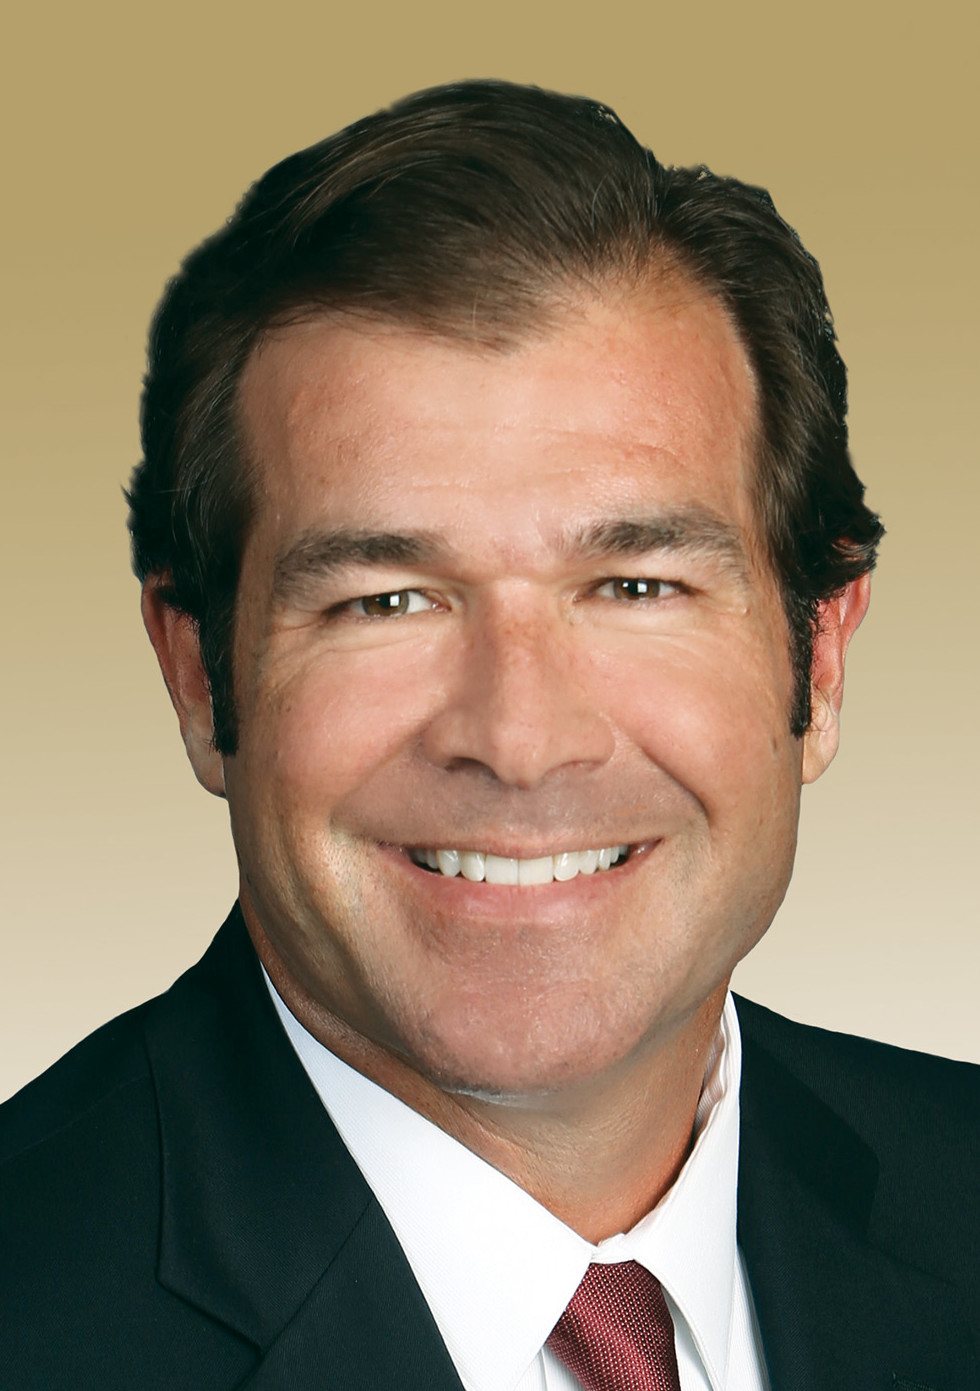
(364, 1326)
(267, 1225)
(834, 1309)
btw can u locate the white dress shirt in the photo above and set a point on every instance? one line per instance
(497, 1269)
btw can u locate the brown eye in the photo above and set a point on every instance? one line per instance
(637, 589)
(633, 589)
(393, 604)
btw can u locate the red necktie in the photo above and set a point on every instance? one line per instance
(617, 1333)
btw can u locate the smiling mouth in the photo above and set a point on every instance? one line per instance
(481, 868)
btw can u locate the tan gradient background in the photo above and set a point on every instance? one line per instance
(130, 131)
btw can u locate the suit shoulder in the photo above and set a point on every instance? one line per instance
(918, 1112)
(78, 1084)
(78, 1161)
(81, 1304)
(846, 1062)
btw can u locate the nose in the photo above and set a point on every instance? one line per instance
(517, 700)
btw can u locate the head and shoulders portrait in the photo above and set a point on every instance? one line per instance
(501, 547)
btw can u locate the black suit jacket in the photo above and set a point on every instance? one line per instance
(177, 1211)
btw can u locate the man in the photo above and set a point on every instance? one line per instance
(501, 550)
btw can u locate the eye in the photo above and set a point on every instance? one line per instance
(629, 589)
(393, 604)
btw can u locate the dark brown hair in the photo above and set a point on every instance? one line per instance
(468, 211)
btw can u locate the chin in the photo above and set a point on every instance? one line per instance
(516, 1057)
(517, 1083)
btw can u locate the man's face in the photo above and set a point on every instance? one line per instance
(510, 603)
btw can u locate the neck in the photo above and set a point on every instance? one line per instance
(599, 1155)
(602, 1158)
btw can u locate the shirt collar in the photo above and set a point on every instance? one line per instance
(688, 1241)
(496, 1268)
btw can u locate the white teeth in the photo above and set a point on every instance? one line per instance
(497, 870)
(536, 871)
(447, 862)
(473, 865)
(478, 867)
(566, 866)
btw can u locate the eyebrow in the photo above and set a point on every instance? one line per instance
(690, 530)
(318, 554)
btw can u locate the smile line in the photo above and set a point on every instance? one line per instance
(479, 867)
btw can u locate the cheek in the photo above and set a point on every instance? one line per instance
(713, 714)
(321, 733)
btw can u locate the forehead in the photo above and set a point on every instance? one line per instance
(626, 402)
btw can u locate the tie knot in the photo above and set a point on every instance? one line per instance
(617, 1333)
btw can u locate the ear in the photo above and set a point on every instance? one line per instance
(837, 619)
(174, 637)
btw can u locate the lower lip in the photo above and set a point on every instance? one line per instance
(454, 893)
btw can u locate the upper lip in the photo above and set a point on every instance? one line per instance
(514, 850)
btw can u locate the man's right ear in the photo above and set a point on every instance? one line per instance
(174, 636)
